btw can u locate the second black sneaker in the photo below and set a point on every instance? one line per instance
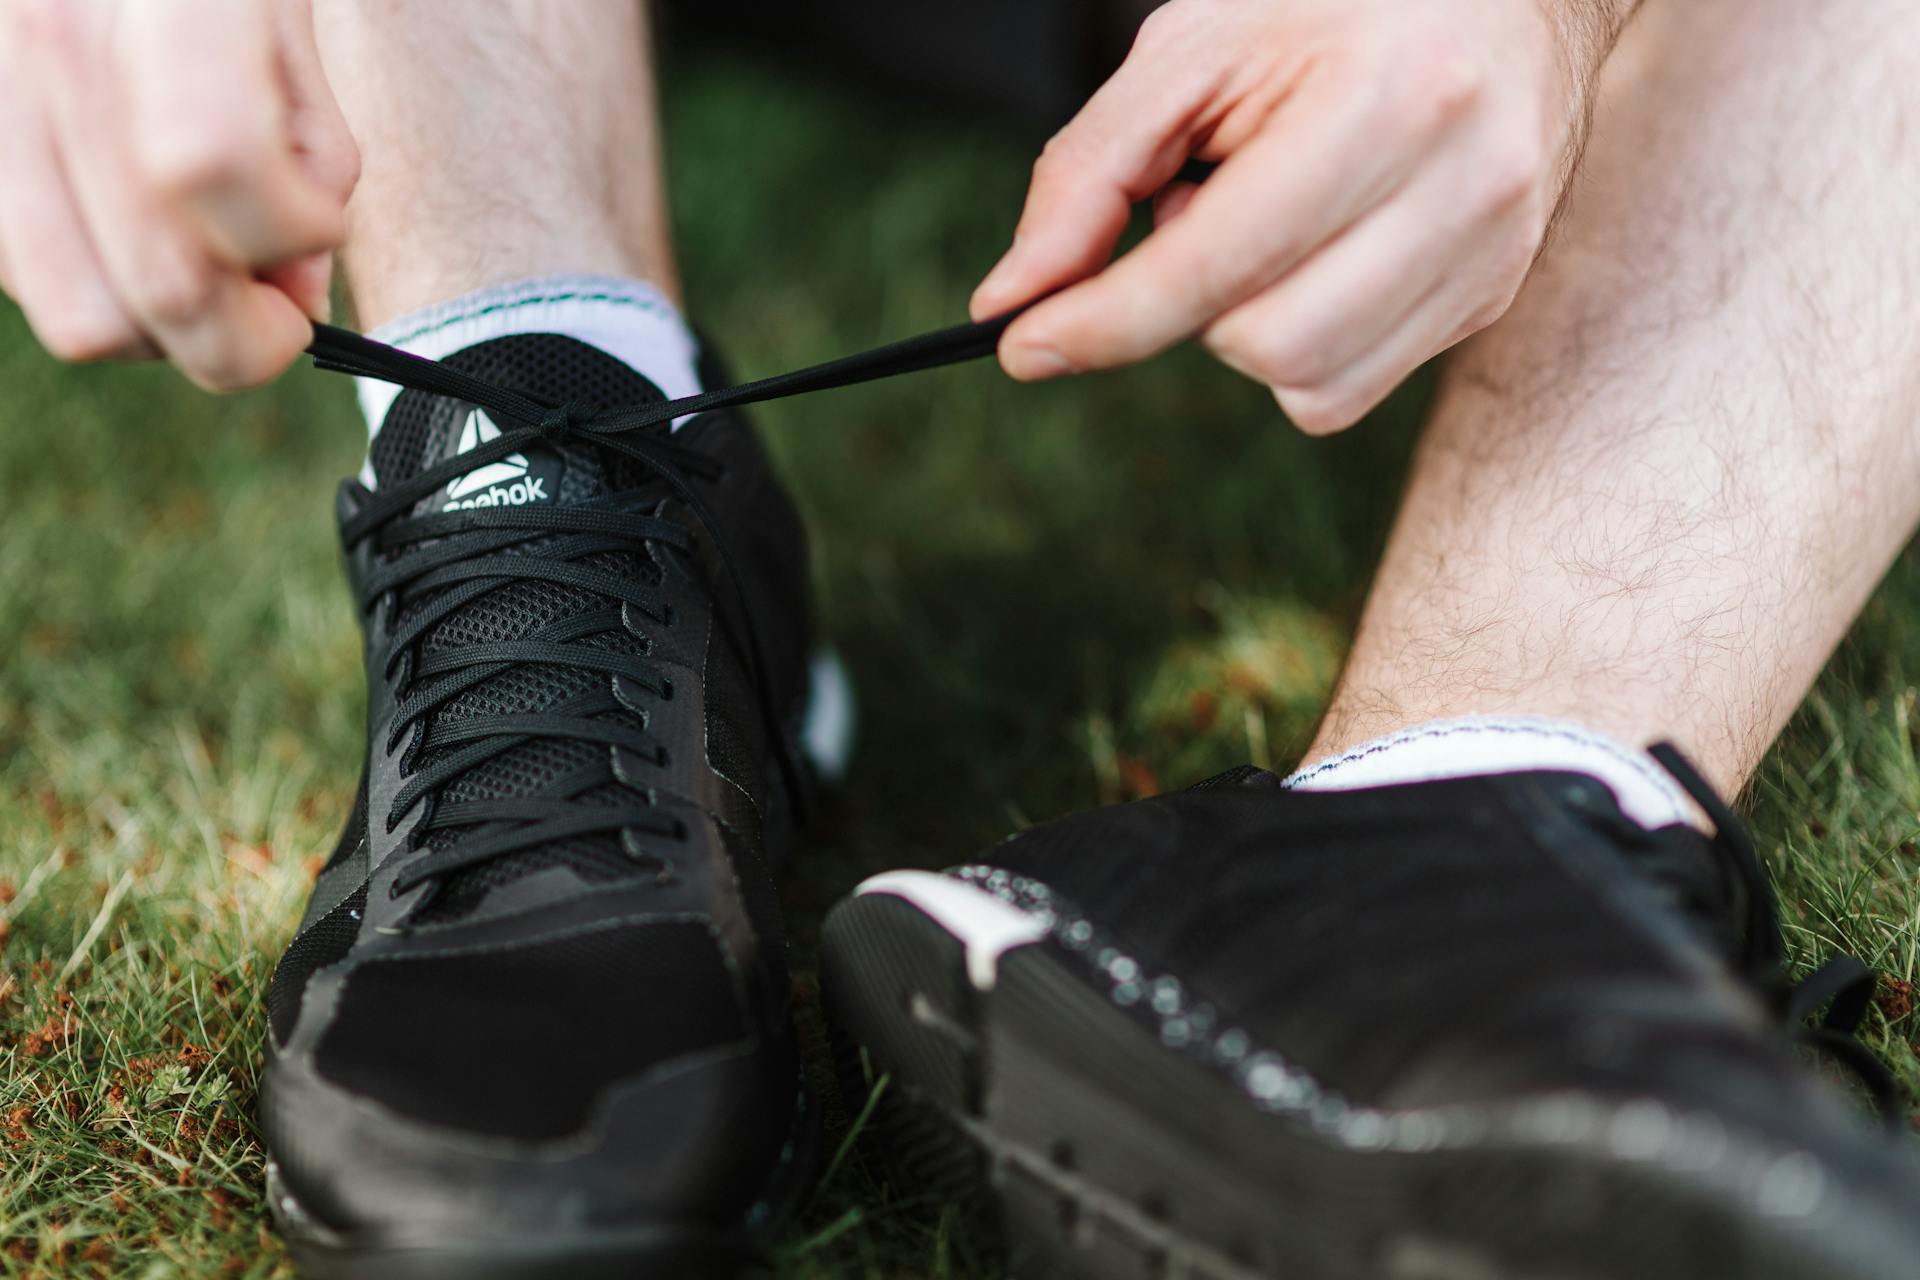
(535, 1020)
(1482, 1029)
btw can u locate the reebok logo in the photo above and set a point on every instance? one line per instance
(510, 482)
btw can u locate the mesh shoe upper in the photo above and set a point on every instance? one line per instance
(522, 984)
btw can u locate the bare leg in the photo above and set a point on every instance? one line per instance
(1654, 496)
(501, 139)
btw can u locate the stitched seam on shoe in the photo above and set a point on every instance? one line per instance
(1515, 727)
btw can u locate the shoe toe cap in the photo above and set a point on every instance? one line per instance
(597, 1077)
(694, 1141)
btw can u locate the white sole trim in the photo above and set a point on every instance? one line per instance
(986, 926)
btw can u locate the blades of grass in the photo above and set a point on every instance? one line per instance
(828, 1234)
(852, 1135)
(1257, 738)
(35, 878)
(100, 921)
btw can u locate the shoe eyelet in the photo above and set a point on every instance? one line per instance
(666, 690)
(662, 759)
(679, 829)
(668, 617)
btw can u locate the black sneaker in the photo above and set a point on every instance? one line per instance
(1467, 1030)
(535, 1020)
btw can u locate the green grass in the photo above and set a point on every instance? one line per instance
(1050, 597)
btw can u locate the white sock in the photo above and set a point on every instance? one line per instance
(1504, 744)
(630, 320)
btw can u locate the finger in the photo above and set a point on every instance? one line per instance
(1320, 163)
(223, 328)
(1130, 138)
(1172, 201)
(241, 333)
(1441, 319)
(1357, 290)
(207, 111)
(51, 269)
(308, 281)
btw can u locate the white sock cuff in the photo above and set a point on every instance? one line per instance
(631, 320)
(1473, 745)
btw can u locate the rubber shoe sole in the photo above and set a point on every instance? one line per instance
(644, 1251)
(1014, 1085)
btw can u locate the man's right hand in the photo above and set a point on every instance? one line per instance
(176, 175)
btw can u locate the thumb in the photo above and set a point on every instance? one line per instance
(1130, 138)
(308, 281)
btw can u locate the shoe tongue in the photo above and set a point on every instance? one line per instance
(422, 431)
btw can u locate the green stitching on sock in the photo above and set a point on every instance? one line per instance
(617, 299)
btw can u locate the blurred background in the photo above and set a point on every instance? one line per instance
(181, 693)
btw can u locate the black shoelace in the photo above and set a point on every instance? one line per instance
(441, 562)
(1731, 898)
(464, 554)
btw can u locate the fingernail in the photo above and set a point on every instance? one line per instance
(1030, 363)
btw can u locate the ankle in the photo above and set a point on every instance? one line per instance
(632, 320)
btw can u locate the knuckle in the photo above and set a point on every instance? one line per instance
(238, 364)
(42, 26)
(1057, 158)
(1503, 288)
(1161, 25)
(1292, 359)
(1265, 357)
(189, 160)
(1482, 317)
(1512, 175)
(1272, 352)
(230, 375)
(1433, 83)
(340, 167)
(172, 294)
(1319, 411)
(331, 154)
(78, 336)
